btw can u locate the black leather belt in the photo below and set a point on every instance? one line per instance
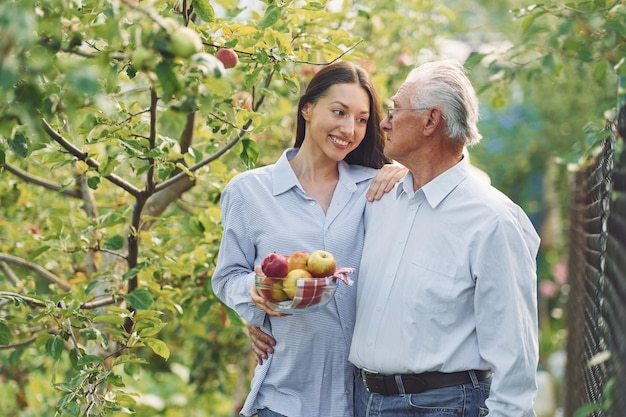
(416, 383)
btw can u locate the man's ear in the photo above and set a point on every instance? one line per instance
(434, 120)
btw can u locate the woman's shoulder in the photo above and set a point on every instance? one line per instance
(251, 178)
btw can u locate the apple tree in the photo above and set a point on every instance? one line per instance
(119, 126)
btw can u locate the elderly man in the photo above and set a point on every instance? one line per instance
(446, 303)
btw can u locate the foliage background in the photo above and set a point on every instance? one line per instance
(114, 151)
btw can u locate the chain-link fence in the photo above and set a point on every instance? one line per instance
(596, 309)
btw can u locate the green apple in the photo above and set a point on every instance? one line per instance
(321, 263)
(184, 42)
(291, 280)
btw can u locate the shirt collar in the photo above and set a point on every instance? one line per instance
(438, 188)
(284, 178)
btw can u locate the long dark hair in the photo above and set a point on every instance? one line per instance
(370, 151)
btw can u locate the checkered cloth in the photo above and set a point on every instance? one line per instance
(312, 291)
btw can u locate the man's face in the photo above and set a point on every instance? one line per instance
(403, 126)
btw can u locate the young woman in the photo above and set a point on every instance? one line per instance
(312, 198)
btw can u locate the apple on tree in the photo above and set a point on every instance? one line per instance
(321, 263)
(243, 99)
(184, 42)
(228, 57)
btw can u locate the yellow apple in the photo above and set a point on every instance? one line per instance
(298, 260)
(272, 289)
(290, 281)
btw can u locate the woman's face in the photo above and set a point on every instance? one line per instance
(337, 122)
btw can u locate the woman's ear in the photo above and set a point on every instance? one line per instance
(306, 111)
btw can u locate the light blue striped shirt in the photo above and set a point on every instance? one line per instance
(448, 283)
(266, 210)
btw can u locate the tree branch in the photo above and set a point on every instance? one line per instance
(28, 300)
(23, 343)
(15, 280)
(216, 155)
(32, 179)
(131, 189)
(35, 268)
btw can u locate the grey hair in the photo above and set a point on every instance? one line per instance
(444, 84)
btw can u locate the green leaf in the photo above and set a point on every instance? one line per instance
(19, 145)
(85, 79)
(272, 14)
(93, 182)
(139, 299)
(117, 320)
(129, 359)
(71, 408)
(204, 10)
(54, 347)
(587, 409)
(89, 333)
(168, 79)
(89, 359)
(204, 308)
(474, 59)
(115, 380)
(529, 20)
(31, 256)
(249, 152)
(108, 166)
(314, 5)
(117, 242)
(599, 71)
(158, 347)
(134, 271)
(5, 334)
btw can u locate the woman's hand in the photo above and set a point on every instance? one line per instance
(262, 343)
(384, 181)
(259, 301)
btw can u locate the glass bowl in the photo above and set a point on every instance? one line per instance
(296, 295)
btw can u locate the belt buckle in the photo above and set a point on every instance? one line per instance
(364, 376)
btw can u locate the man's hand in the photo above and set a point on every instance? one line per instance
(384, 181)
(262, 343)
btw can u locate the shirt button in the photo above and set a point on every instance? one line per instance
(312, 203)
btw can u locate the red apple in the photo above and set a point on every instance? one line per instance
(243, 99)
(298, 260)
(290, 281)
(228, 57)
(321, 264)
(275, 265)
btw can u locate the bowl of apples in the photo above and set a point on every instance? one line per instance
(300, 282)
